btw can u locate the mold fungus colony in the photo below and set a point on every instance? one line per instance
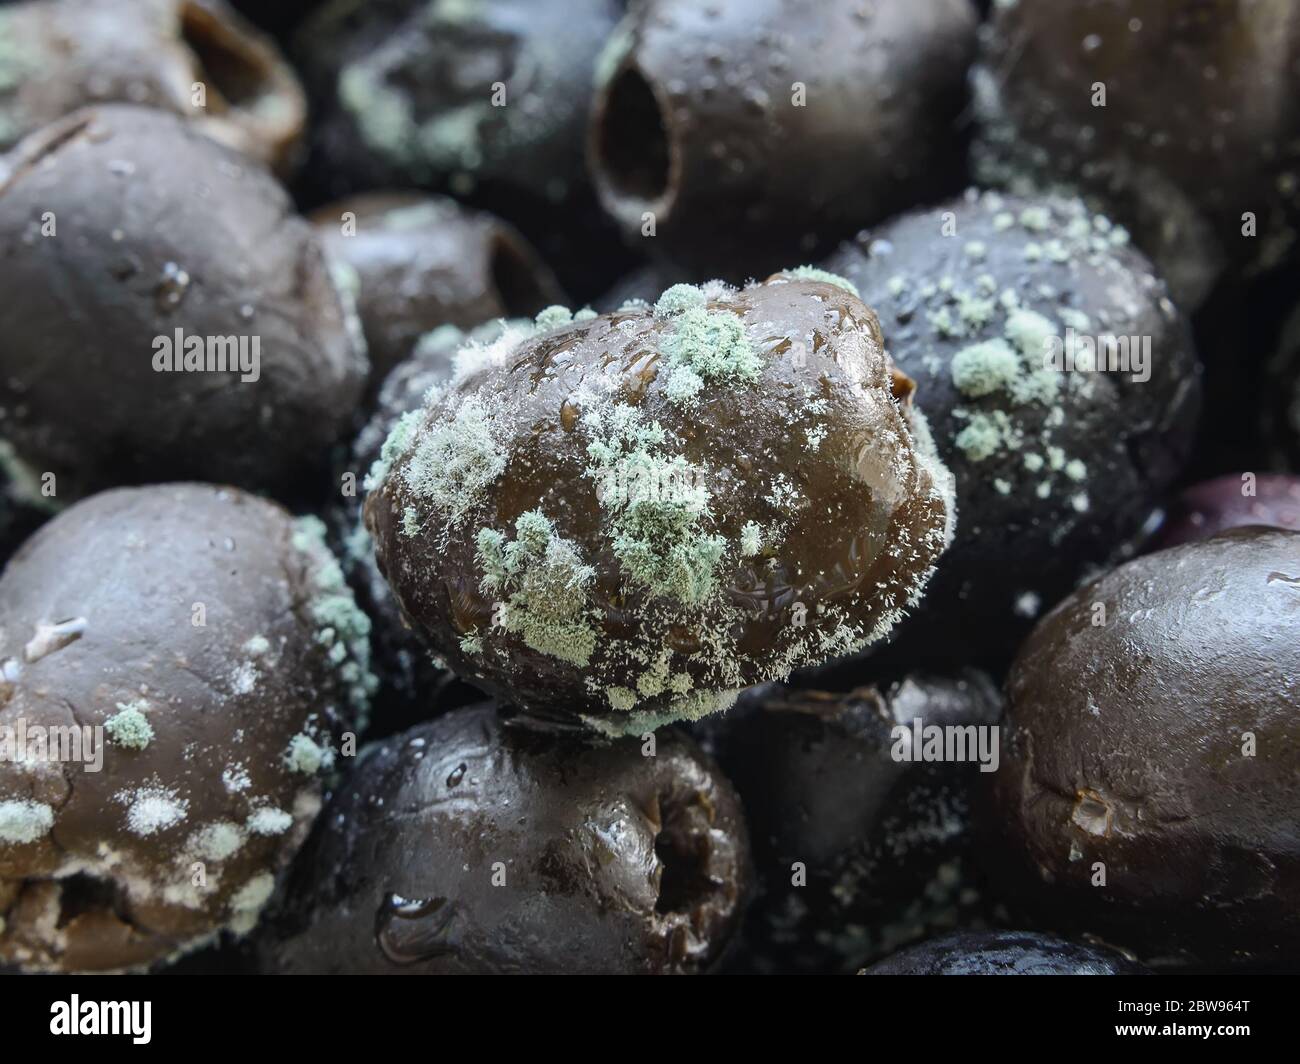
(1060, 448)
(400, 90)
(627, 519)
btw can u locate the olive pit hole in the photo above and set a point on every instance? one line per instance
(632, 138)
(683, 849)
(82, 893)
(226, 62)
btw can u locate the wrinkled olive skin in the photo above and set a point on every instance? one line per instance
(1153, 739)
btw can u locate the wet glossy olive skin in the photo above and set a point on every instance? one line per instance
(83, 385)
(1004, 953)
(468, 845)
(1180, 118)
(704, 113)
(1148, 784)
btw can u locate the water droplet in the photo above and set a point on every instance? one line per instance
(756, 100)
(1092, 42)
(411, 930)
(172, 287)
(53, 637)
(457, 774)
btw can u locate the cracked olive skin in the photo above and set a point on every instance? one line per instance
(1004, 953)
(70, 54)
(98, 611)
(1200, 123)
(1027, 535)
(469, 846)
(1162, 748)
(887, 846)
(857, 518)
(141, 249)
